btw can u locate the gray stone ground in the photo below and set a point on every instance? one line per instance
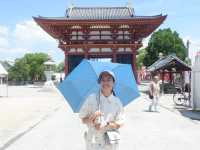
(25, 107)
(166, 101)
(30, 119)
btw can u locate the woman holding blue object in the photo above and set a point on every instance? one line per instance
(103, 114)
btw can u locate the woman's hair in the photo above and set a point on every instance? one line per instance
(99, 80)
(100, 77)
(113, 92)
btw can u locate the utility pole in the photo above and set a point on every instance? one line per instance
(187, 59)
(188, 47)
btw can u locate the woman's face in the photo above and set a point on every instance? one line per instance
(107, 82)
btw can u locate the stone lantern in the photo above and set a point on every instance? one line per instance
(49, 64)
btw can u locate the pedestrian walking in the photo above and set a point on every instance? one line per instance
(154, 93)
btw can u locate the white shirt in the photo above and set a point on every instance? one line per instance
(111, 107)
(155, 88)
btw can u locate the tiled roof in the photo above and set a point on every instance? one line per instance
(166, 62)
(99, 12)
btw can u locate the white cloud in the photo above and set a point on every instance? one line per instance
(31, 33)
(12, 50)
(26, 36)
(4, 42)
(3, 31)
(4, 36)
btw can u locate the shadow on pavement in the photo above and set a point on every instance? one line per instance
(192, 114)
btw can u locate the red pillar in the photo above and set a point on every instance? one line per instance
(134, 63)
(66, 67)
(114, 55)
(86, 50)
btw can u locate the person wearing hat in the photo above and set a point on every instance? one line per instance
(102, 112)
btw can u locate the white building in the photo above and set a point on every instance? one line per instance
(3, 74)
(3, 81)
(196, 83)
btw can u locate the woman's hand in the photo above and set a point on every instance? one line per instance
(91, 119)
(95, 115)
(98, 127)
(109, 125)
(113, 125)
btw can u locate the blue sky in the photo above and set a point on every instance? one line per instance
(19, 34)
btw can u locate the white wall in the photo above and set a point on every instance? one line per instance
(196, 84)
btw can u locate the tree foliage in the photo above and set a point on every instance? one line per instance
(140, 58)
(30, 67)
(167, 42)
(60, 67)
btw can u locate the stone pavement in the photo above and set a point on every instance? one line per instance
(166, 101)
(25, 107)
(143, 130)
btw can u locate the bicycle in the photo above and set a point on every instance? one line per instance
(181, 98)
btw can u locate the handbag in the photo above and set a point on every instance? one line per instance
(152, 88)
(150, 96)
(111, 136)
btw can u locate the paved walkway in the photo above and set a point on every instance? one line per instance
(163, 130)
(166, 101)
(25, 107)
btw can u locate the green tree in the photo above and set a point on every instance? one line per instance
(140, 58)
(60, 67)
(36, 64)
(30, 67)
(20, 71)
(167, 42)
